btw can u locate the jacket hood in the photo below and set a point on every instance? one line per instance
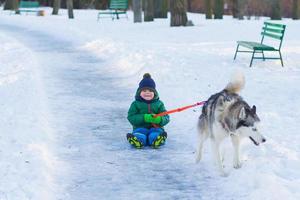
(139, 98)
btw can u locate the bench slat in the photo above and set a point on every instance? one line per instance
(275, 25)
(29, 4)
(256, 46)
(278, 37)
(267, 29)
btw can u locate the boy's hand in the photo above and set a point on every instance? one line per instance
(149, 118)
(156, 120)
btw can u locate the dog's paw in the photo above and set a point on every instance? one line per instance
(237, 165)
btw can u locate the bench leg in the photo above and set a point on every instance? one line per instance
(263, 55)
(252, 58)
(280, 58)
(237, 48)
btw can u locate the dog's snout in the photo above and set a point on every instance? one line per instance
(264, 140)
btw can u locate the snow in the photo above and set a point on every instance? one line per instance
(66, 86)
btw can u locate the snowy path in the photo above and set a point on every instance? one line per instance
(89, 115)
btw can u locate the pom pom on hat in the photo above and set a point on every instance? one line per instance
(147, 75)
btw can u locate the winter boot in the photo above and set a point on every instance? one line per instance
(160, 140)
(134, 141)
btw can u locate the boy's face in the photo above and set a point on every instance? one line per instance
(147, 94)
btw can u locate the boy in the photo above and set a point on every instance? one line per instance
(147, 129)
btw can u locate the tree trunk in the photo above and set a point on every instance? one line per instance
(218, 9)
(275, 10)
(160, 9)
(178, 12)
(208, 9)
(149, 10)
(295, 14)
(56, 6)
(70, 9)
(101, 4)
(137, 11)
(11, 5)
(235, 8)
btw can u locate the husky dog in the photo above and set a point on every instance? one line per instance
(227, 114)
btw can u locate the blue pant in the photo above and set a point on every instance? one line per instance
(147, 136)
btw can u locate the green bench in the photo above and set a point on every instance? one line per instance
(28, 6)
(270, 30)
(116, 7)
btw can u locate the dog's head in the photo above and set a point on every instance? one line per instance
(248, 125)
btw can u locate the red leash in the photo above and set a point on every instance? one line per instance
(179, 109)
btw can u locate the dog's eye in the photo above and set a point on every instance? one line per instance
(254, 129)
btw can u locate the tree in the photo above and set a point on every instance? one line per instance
(178, 12)
(235, 10)
(70, 9)
(295, 12)
(56, 6)
(101, 4)
(137, 11)
(11, 5)
(218, 9)
(239, 8)
(275, 10)
(160, 9)
(149, 10)
(208, 9)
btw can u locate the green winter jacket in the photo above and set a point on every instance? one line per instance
(140, 107)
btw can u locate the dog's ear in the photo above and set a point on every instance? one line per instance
(253, 109)
(242, 114)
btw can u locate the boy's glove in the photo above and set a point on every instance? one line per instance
(156, 120)
(149, 118)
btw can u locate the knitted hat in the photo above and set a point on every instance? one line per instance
(147, 82)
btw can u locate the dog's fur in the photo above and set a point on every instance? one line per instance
(227, 114)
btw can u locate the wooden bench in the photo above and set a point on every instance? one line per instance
(116, 7)
(28, 6)
(270, 30)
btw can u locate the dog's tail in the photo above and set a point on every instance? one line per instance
(236, 83)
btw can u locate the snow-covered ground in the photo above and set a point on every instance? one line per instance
(66, 86)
